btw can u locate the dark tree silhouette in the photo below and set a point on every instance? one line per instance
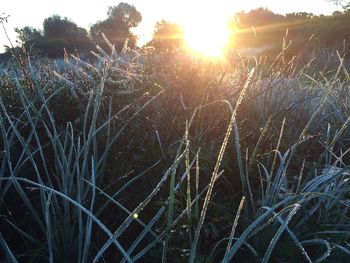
(28, 35)
(59, 34)
(167, 36)
(59, 28)
(258, 17)
(117, 27)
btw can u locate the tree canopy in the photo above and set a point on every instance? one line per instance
(258, 17)
(167, 36)
(62, 28)
(58, 34)
(345, 4)
(117, 27)
(28, 35)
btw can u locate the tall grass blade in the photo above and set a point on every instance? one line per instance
(215, 172)
(233, 230)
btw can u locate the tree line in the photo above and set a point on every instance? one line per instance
(60, 34)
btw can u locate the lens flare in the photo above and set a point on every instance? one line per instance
(207, 37)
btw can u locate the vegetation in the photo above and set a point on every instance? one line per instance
(257, 28)
(117, 26)
(261, 27)
(149, 155)
(345, 4)
(62, 35)
(167, 36)
(59, 34)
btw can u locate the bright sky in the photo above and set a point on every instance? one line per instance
(84, 13)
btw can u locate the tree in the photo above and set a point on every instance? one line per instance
(299, 16)
(258, 17)
(56, 27)
(59, 34)
(62, 33)
(345, 4)
(28, 35)
(125, 13)
(337, 13)
(167, 36)
(117, 27)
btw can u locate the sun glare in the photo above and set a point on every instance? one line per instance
(207, 37)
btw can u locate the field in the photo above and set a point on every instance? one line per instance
(150, 157)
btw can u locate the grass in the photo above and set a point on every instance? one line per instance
(156, 157)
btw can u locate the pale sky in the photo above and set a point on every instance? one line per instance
(84, 13)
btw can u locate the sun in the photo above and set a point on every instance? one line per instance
(207, 37)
